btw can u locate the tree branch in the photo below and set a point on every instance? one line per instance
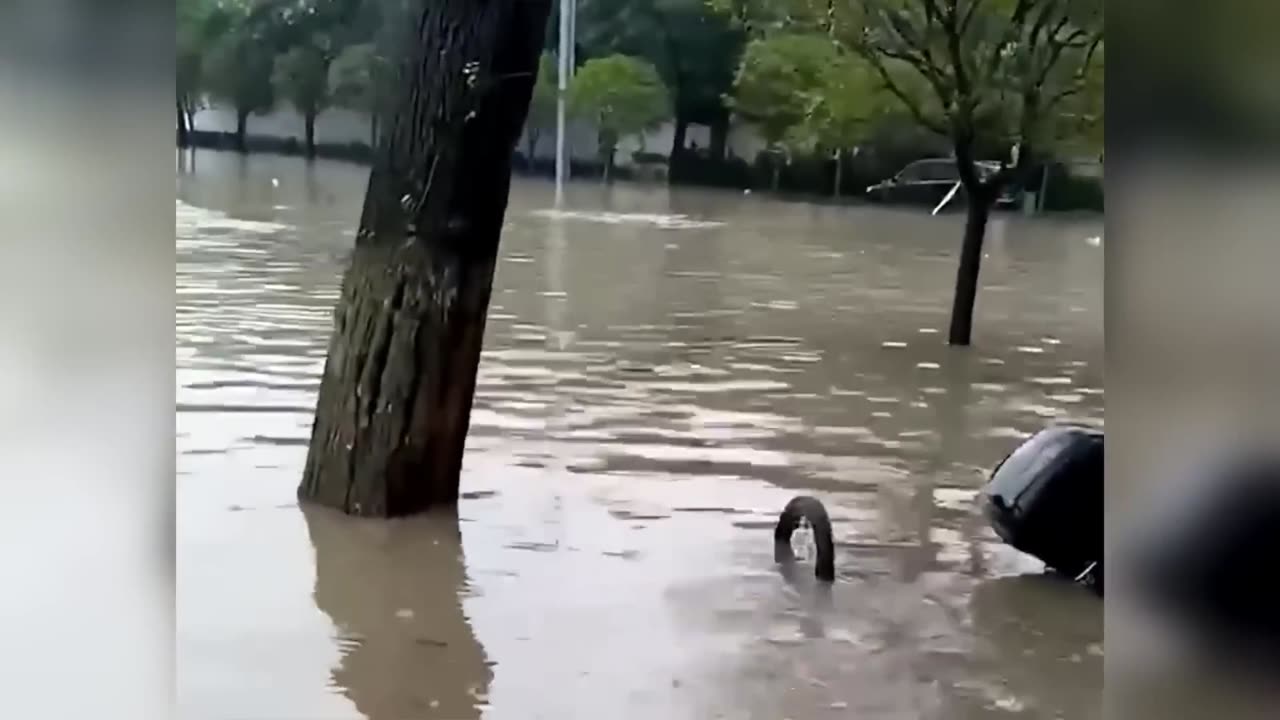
(910, 103)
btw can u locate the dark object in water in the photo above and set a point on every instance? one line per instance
(1209, 557)
(812, 510)
(1047, 500)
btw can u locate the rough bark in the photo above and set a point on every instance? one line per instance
(975, 228)
(395, 399)
(242, 126)
(309, 129)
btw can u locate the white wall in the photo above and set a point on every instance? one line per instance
(339, 125)
(336, 125)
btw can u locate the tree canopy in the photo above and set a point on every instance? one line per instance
(983, 73)
(622, 95)
(301, 75)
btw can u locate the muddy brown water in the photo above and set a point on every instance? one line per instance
(663, 370)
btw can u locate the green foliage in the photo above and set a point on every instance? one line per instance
(983, 72)
(694, 49)
(199, 23)
(237, 69)
(622, 95)
(360, 78)
(776, 79)
(542, 108)
(301, 75)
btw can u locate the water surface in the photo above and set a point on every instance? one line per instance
(662, 371)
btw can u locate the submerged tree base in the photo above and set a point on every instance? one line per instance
(396, 395)
(395, 400)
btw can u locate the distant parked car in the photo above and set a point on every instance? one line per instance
(927, 182)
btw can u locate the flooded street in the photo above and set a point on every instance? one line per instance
(663, 370)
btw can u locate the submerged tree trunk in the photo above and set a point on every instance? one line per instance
(309, 128)
(975, 228)
(242, 125)
(395, 399)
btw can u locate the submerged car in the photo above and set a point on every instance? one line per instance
(929, 182)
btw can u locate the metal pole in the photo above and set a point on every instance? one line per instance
(566, 48)
(573, 37)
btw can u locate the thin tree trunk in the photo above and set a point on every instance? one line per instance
(242, 126)
(309, 122)
(373, 132)
(975, 228)
(395, 399)
(777, 174)
(719, 135)
(678, 135)
(839, 173)
(184, 128)
(531, 146)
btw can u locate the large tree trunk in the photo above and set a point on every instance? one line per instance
(242, 126)
(309, 123)
(184, 127)
(975, 229)
(395, 399)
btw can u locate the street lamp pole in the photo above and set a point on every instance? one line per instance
(565, 63)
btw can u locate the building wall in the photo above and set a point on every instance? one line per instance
(340, 126)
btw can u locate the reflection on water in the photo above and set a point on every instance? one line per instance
(662, 371)
(394, 592)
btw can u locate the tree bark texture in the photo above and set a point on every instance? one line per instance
(395, 400)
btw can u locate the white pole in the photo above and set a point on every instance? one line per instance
(566, 47)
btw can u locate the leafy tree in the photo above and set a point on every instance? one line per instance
(623, 96)
(695, 50)
(774, 85)
(199, 23)
(983, 73)
(360, 79)
(302, 76)
(237, 69)
(542, 109)
(840, 111)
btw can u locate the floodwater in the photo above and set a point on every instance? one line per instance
(663, 370)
